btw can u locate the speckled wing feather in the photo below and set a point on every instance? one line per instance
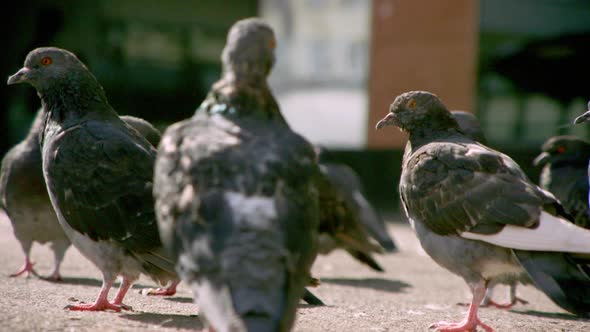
(457, 187)
(116, 164)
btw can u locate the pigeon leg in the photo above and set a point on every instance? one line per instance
(101, 303)
(513, 300)
(471, 321)
(27, 269)
(59, 250)
(125, 285)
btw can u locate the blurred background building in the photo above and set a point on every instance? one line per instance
(519, 65)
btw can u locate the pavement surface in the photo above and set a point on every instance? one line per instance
(413, 293)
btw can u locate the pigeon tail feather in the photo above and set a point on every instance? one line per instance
(552, 234)
(561, 277)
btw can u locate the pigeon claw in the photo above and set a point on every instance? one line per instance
(54, 277)
(463, 326)
(27, 269)
(96, 306)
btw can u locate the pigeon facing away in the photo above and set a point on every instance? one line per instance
(235, 195)
(476, 214)
(349, 186)
(98, 172)
(470, 126)
(23, 195)
(565, 174)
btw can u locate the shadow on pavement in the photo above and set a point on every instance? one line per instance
(81, 281)
(558, 315)
(179, 299)
(185, 322)
(393, 286)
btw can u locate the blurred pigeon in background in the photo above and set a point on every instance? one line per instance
(99, 174)
(565, 174)
(470, 126)
(349, 186)
(236, 198)
(476, 214)
(23, 195)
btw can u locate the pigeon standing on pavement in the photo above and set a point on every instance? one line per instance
(349, 186)
(341, 225)
(23, 195)
(470, 126)
(98, 172)
(476, 214)
(565, 174)
(236, 200)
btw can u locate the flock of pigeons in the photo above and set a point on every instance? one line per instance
(237, 205)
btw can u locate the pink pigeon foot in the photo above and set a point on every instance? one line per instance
(99, 305)
(162, 291)
(27, 269)
(125, 285)
(471, 321)
(514, 301)
(463, 326)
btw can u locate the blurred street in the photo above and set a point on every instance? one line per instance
(413, 293)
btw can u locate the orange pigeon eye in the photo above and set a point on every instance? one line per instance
(560, 149)
(411, 104)
(46, 61)
(272, 44)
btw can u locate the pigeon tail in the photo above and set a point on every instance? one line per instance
(564, 278)
(552, 234)
(366, 259)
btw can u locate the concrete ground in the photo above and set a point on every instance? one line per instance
(412, 294)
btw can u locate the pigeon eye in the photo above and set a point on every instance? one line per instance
(272, 43)
(46, 61)
(560, 149)
(411, 104)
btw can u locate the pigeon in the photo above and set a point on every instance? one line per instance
(341, 225)
(565, 174)
(476, 214)
(349, 186)
(236, 195)
(470, 126)
(23, 196)
(99, 174)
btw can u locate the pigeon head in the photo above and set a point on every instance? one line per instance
(47, 65)
(249, 50)
(569, 149)
(418, 110)
(584, 117)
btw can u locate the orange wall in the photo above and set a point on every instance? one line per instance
(420, 45)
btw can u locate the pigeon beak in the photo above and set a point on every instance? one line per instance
(20, 76)
(583, 118)
(541, 159)
(388, 120)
